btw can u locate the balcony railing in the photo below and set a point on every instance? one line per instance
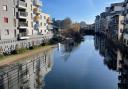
(22, 34)
(38, 3)
(37, 11)
(23, 24)
(22, 4)
(23, 14)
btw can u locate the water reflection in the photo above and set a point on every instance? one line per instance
(65, 49)
(27, 74)
(114, 59)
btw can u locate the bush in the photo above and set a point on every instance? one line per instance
(18, 51)
(55, 40)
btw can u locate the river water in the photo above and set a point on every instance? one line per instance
(92, 64)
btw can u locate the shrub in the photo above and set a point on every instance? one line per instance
(18, 51)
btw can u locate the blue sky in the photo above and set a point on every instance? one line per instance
(77, 10)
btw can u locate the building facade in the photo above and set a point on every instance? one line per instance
(21, 24)
(8, 25)
(46, 25)
(115, 22)
(97, 24)
(116, 27)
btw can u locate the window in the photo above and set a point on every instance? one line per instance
(5, 7)
(5, 19)
(31, 24)
(31, 16)
(44, 17)
(15, 22)
(44, 24)
(6, 32)
(32, 31)
(124, 40)
(40, 16)
(14, 11)
(15, 32)
(31, 7)
(41, 23)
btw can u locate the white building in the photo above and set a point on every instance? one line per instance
(46, 24)
(125, 36)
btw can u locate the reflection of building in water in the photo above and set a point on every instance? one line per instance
(100, 45)
(67, 48)
(96, 42)
(107, 51)
(114, 59)
(123, 73)
(28, 74)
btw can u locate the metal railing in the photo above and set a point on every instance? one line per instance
(24, 14)
(21, 3)
(23, 34)
(23, 24)
(38, 2)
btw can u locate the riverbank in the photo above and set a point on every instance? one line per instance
(13, 58)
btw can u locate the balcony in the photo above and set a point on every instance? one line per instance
(23, 36)
(37, 10)
(23, 15)
(37, 18)
(22, 4)
(23, 25)
(38, 3)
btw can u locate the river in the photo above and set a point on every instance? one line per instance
(92, 64)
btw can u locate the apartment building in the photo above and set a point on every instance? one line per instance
(20, 24)
(21, 19)
(103, 22)
(37, 4)
(114, 9)
(97, 24)
(46, 24)
(125, 13)
(116, 27)
(111, 21)
(100, 23)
